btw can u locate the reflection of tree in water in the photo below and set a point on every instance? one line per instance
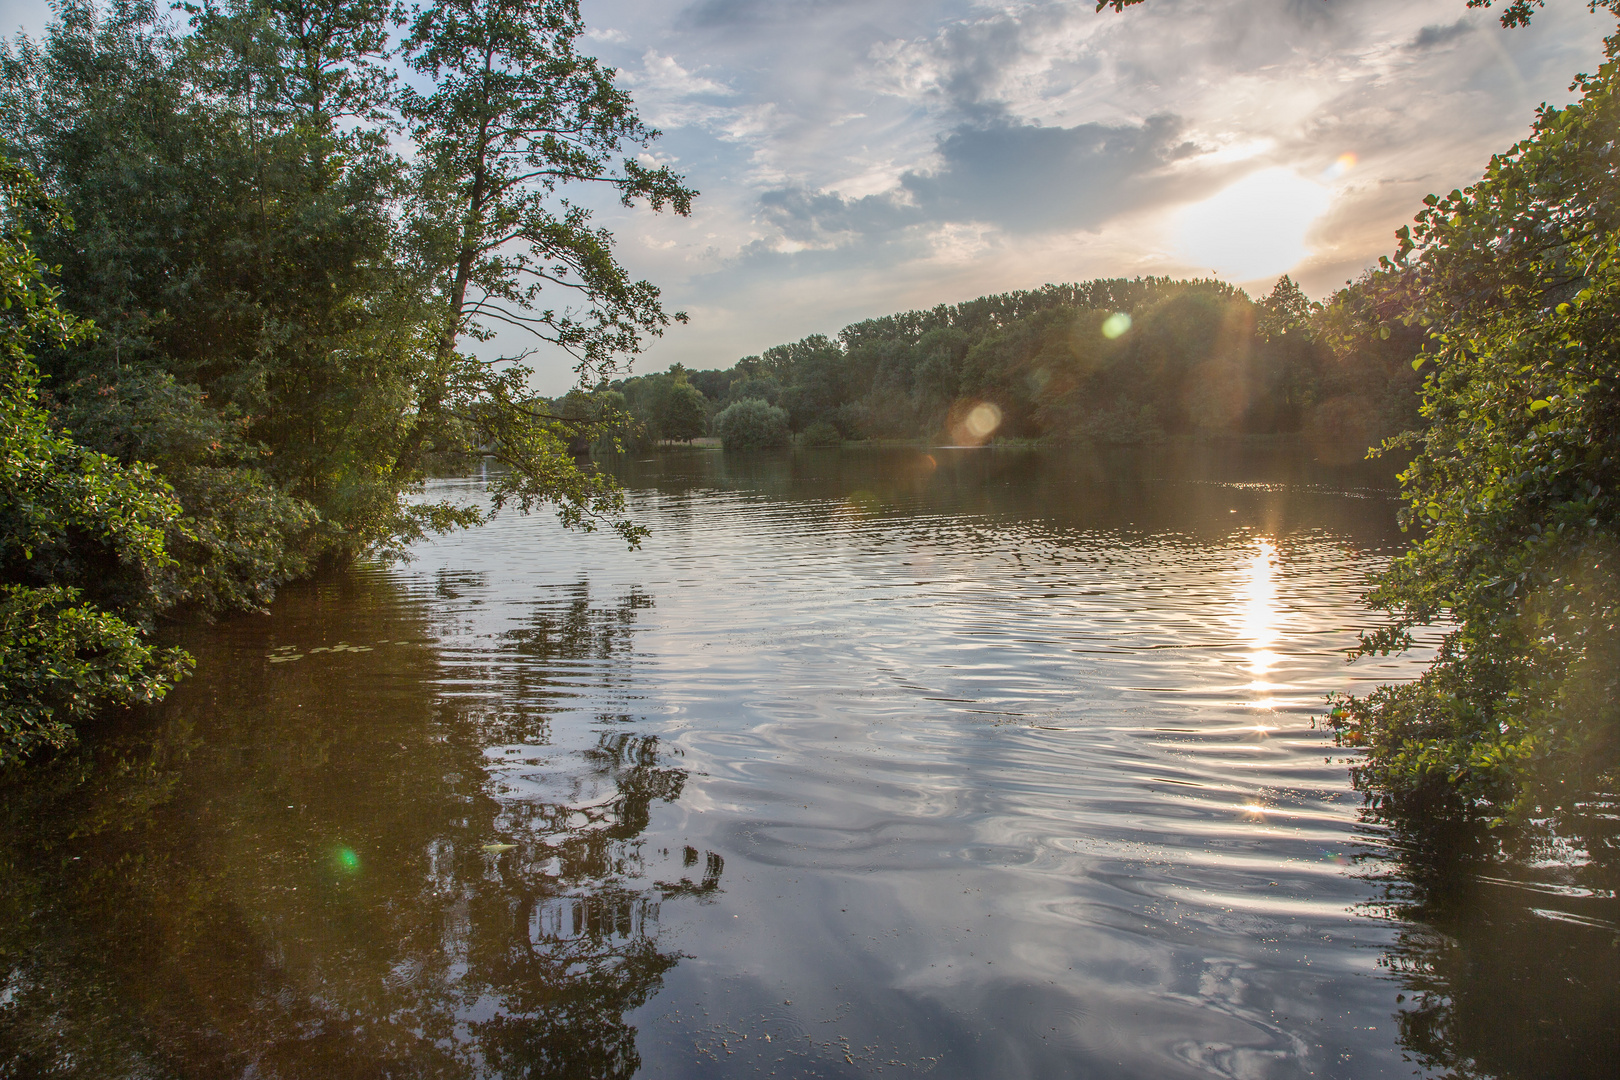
(1509, 970)
(344, 873)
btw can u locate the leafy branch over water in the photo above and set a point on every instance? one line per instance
(1513, 485)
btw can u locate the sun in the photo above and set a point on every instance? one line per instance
(1254, 228)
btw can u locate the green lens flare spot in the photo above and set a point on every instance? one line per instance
(1115, 325)
(348, 860)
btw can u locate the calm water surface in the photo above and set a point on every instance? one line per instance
(968, 763)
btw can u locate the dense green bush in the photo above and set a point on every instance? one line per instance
(752, 424)
(82, 561)
(821, 433)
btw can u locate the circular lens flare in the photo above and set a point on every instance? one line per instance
(1115, 325)
(982, 419)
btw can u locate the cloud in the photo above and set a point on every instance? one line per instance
(662, 76)
(1025, 177)
(1440, 34)
(1012, 178)
(823, 219)
(970, 66)
(732, 14)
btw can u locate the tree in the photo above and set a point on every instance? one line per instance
(752, 424)
(515, 114)
(685, 413)
(236, 266)
(81, 537)
(254, 248)
(1513, 483)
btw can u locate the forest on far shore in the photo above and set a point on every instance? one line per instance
(1111, 360)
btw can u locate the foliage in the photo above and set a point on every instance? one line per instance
(1513, 485)
(685, 412)
(752, 424)
(240, 536)
(249, 232)
(232, 238)
(251, 237)
(281, 303)
(81, 537)
(1109, 360)
(821, 433)
(514, 114)
(663, 406)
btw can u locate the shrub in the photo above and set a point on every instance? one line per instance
(751, 424)
(821, 433)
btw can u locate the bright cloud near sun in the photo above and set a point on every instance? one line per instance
(1255, 228)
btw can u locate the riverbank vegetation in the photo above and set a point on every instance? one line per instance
(251, 344)
(1511, 496)
(1110, 361)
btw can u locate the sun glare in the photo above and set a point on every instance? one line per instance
(1253, 229)
(1257, 619)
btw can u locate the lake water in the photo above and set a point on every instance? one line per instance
(965, 763)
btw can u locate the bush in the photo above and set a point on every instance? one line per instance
(751, 424)
(81, 536)
(821, 433)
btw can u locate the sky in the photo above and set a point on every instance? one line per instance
(861, 157)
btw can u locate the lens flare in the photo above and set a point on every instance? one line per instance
(348, 860)
(863, 503)
(982, 420)
(1115, 325)
(1344, 164)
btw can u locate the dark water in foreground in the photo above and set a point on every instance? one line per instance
(983, 764)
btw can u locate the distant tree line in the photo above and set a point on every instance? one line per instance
(1113, 360)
